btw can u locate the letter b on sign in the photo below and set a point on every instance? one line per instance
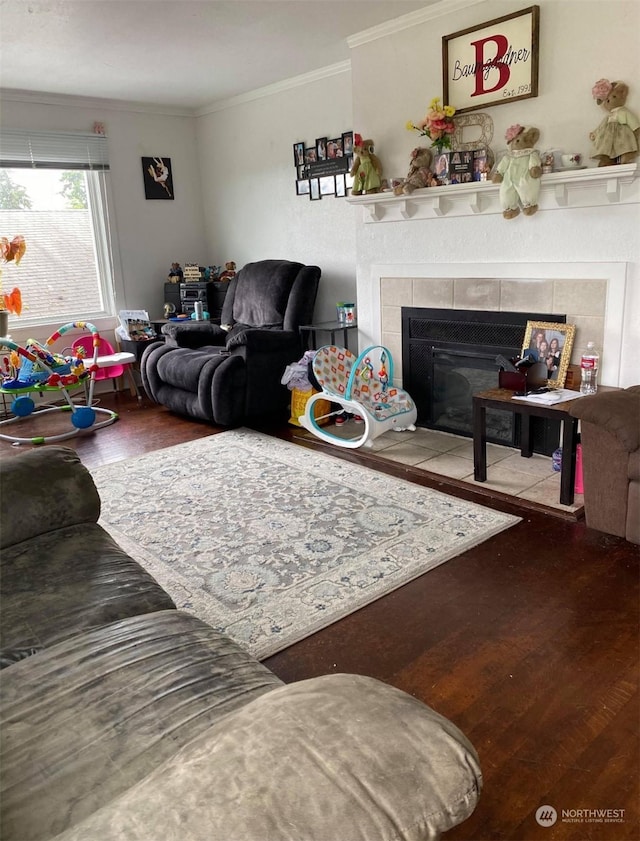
(484, 66)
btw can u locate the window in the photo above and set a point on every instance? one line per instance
(53, 192)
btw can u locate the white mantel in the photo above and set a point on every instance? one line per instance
(558, 190)
(439, 241)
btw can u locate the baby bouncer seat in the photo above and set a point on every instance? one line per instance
(361, 385)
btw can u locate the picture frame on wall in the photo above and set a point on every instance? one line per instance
(158, 180)
(314, 189)
(310, 155)
(492, 63)
(321, 149)
(298, 154)
(550, 342)
(341, 187)
(334, 148)
(347, 143)
(302, 187)
(327, 185)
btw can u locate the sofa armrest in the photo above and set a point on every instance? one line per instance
(334, 757)
(194, 334)
(43, 490)
(257, 339)
(618, 412)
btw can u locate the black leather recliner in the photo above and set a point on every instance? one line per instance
(229, 374)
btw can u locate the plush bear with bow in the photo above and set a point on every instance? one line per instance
(519, 171)
(420, 173)
(617, 138)
(367, 169)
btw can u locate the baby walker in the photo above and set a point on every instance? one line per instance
(35, 368)
(362, 386)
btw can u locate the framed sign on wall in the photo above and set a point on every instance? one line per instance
(492, 63)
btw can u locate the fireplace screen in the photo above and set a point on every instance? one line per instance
(450, 355)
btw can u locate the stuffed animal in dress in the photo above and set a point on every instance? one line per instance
(617, 138)
(519, 171)
(367, 169)
(420, 173)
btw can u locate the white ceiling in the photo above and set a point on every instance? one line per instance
(179, 52)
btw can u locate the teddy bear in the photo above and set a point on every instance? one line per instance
(367, 169)
(519, 171)
(419, 175)
(617, 137)
(229, 271)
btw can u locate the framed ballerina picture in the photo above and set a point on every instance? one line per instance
(158, 181)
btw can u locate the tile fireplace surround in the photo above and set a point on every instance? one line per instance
(582, 259)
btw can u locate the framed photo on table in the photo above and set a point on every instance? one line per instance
(550, 342)
(492, 63)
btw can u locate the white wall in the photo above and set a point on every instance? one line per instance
(251, 208)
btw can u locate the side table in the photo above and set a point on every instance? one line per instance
(502, 398)
(308, 332)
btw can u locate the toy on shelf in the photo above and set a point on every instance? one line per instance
(617, 138)
(367, 169)
(36, 368)
(519, 171)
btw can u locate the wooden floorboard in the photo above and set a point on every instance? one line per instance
(529, 642)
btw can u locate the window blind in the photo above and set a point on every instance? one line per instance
(53, 150)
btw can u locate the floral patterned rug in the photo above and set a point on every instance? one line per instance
(269, 541)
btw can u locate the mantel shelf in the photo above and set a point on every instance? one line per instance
(558, 191)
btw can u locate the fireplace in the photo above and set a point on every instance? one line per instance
(448, 355)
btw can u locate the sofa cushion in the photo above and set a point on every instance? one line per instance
(616, 411)
(335, 757)
(89, 718)
(59, 584)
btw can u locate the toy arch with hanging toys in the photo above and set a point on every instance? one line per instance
(36, 368)
(362, 386)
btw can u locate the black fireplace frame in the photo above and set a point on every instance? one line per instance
(430, 334)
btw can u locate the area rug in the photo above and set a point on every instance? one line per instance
(269, 541)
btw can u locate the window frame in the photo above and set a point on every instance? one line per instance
(66, 151)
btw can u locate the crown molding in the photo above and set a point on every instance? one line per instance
(277, 87)
(67, 101)
(429, 13)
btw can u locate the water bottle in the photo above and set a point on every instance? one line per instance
(589, 363)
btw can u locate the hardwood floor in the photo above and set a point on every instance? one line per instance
(528, 642)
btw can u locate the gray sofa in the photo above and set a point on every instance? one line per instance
(124, 719)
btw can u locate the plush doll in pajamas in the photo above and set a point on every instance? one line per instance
(519, 171)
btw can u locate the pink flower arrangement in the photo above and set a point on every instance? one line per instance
(601, 89)
(437, 125)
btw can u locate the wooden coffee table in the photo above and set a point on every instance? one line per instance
(502, 398)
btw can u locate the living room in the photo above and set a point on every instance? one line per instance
(556, 598)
